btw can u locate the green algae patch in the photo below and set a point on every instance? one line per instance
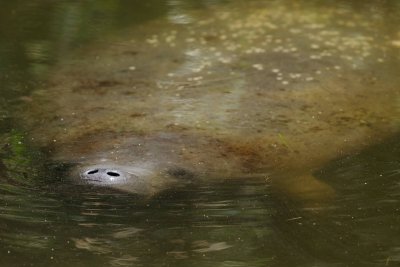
(19, 163)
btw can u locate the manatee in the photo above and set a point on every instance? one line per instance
(265, 90)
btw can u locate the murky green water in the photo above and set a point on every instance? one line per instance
(47, 222)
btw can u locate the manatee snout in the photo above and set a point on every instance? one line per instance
(106, 176)
(134, 179)
(140, 178)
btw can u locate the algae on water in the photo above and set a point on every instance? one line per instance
(20, 162)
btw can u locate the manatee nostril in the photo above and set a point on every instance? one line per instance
(93, 171)
(115, 174)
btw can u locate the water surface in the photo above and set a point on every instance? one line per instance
(45, 222)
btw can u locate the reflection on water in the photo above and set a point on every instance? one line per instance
(198, 226)
(226, 223)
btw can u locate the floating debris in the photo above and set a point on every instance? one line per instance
(258, 66)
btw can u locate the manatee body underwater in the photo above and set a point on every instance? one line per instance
(265, 90)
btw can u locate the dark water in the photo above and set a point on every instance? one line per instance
(235, 223)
